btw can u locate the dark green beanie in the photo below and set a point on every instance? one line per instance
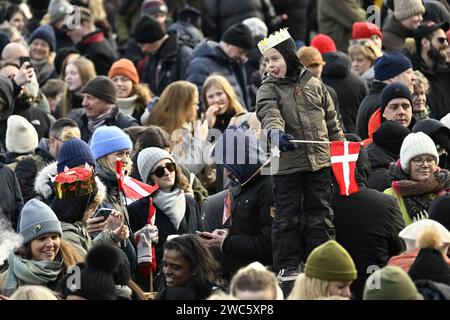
(331, 262)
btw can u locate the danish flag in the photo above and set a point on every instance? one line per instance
(344, 155)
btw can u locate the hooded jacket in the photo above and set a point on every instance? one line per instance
(303, 108)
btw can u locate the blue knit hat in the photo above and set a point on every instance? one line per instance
(73, 153)
(393, 91)
(390, 65)
(106, 140)
(46, 33)
(36, 220)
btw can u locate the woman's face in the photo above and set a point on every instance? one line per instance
(419, 98)
(45, 247)
(422, 167)
(164, 174)
(18, 21)
(123, 85)
(73, 78)
(124, 156)
(39, 49)
(360, 63)
(176, 269)
(340, 288)
(216, 96)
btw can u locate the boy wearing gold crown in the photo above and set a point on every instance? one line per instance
(292, 104)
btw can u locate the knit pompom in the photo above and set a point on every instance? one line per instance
(103, 257)
(430, 238)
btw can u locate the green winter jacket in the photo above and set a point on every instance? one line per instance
(305, 110)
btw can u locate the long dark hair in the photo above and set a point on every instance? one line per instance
(200, 259)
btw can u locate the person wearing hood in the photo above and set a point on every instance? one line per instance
(416, 178)
(293, 104)
(244, 235)
(367, 224)
(384, 150)
(46, 152)
(10, 195)
(177, 212)
(350, 88)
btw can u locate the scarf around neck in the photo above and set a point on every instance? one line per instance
(173, 204)
(102, 119)
(127, 105)
(31, 272)
(417, 194)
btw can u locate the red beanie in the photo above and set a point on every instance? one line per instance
(124, 67)
(364, 30)
(323, 43)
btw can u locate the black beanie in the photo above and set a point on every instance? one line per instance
(239, 35)
(430, 265)
(390, 136)
(439, 210)
(288, 50)
(102, 88)
(148, 30)
(436, 130)
(61, 55)
(393, 91)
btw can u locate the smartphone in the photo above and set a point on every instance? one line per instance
(103, 212)
(22, 60)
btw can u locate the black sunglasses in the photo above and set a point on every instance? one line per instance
(160, 171)
(442, 40)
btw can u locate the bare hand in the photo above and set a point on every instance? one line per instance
(211, 114)
(212, 239)
(95, 225)
(114, 220)
(201, 130)
(25, 74)
(121, 233)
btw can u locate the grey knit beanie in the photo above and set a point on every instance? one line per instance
(404, 9)
(37, 219)
(148, 158)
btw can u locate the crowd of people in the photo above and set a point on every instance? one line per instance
(180, 149)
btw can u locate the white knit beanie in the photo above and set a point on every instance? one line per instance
(21, 136)
(416, 144)
(403, 9)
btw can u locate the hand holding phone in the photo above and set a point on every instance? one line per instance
(24, 59)
(103, 212)
(202, 235)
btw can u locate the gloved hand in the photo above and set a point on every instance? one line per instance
(144, 249)
(283, 141)
(150, 231)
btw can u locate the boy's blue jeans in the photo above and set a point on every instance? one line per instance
(303, 218)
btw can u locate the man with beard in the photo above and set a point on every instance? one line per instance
(430, 58)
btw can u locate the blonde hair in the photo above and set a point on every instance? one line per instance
(254, 277)
(143, 93)
(307, 288)
(421, 81)
(222, 83)
(174, 105)
(33, 293)
(86, 70)
(365, 49)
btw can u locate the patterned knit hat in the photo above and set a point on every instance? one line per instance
(416, 144)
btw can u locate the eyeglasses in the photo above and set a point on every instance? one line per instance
(160, 171)
(421, 162)
(442, 40)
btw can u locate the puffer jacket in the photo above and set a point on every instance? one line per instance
(303, 108)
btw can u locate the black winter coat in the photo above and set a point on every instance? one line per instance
(95, 47)
(169, 64)
(367, 107)
(350, 88)
(138, 213)
(250, 225)
(380, 159)
(297, 11)
(219, 15)
(10, 195)
(119, 120)
(27, 169)
(209, 58)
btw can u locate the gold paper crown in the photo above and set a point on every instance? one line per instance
(274, 39)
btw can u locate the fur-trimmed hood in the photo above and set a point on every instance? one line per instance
(43, 185)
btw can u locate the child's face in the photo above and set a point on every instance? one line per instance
(275, 63)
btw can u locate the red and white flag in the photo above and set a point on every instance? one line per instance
(344, 155)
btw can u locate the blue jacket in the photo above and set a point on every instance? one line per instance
(209, 58)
